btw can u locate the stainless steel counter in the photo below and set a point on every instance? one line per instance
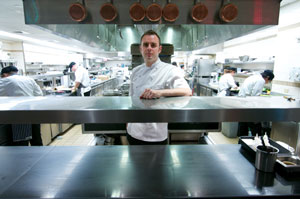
(194, 171)
(95, 84)
(212, 87)
(97, 88)
(127, 109)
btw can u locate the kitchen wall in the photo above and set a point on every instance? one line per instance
(13, 51)
(50, 56)
(287, 62)
(22, 53)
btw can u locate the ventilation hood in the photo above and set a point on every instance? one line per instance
(119, 38)
(184, 33)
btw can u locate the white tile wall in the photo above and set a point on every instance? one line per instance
(282, 41)
(288, 90)
(289, 14)
(288, 48)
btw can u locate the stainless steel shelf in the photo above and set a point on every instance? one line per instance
(172, 171)
(127, 109)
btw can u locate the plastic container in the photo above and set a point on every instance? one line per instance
(230, 129)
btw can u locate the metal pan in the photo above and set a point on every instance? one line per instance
(199, 12)
(154, 12)
(77, 12)
(170, 12)
(137, 12)
(228, 13)
(108, 12)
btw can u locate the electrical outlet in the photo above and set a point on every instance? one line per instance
(286, 90)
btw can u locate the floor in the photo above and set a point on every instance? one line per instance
(219, 138)
(74, 137)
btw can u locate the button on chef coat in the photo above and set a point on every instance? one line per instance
(159, 76)
(252, 86)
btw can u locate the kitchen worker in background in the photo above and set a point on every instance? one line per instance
(151, 80)
(227, 82)
(12, 84)
(253, 85)
(174, 63)
(82, 80)
(182, 69)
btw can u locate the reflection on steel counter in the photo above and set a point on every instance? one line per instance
(111, 92)
(99, 87)
(122, 90)
(198, 171)
(125, 89)
(163, 102)
(15, 110)
(60, 93)
(178, 132)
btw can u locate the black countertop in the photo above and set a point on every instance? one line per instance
(136, 171)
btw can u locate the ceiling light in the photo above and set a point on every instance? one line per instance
(38, 42)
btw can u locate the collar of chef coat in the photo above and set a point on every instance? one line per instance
(155, 65)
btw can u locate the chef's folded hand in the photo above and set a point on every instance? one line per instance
(150, 94)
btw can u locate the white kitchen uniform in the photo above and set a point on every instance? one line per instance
(16, 85)
(82, 76)
(225, 82)
(252, 86)
(159, 76)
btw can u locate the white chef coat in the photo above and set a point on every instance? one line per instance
(82, 76)
(16, 85)
(225, 82)
(252, 86)
(159, 76)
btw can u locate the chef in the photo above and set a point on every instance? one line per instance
(150, 80)
(226, 82)
(254, 84)
(82, 80)
(12, 84)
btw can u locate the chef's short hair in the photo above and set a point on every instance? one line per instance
(150, 32)
(269, 74)
(9, 69)
(71, 64)
(229, 69)
(232, 69)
